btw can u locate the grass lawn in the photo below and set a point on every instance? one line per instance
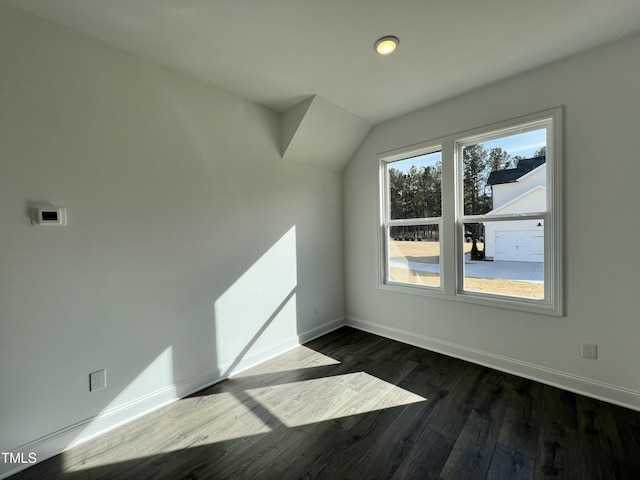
(429, 252)
(425, 252)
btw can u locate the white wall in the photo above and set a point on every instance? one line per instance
(599, 91)
(190, 243)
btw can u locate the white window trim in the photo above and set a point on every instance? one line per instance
(451, 228)
(386, 222)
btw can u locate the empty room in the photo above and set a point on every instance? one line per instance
(331, 239)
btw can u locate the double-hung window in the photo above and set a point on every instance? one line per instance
(476, 216)
(413, 212)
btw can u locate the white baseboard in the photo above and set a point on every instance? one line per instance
(592, 388)
(258, 356)
(85, 430)
(322, 330)
(57, 442)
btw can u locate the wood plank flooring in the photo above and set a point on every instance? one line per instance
(351, 405)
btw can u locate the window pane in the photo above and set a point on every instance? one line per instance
(414, 255)
(506, 175)
(508, 258)
(415, 187)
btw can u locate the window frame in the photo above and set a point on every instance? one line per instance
(388, 222)
(452, 219)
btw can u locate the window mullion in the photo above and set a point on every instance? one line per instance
(399, 222)
(448, 239)
(503, 218)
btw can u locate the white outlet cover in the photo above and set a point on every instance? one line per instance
(97, 380)
(590, 350)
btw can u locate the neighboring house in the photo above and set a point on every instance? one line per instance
(517, 190)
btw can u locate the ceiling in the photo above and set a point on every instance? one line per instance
(280, 52)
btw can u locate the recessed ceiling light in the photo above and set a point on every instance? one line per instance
(386, 45)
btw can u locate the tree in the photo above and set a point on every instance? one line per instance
(429, 185)
(499, 159)
(541, 152)
(517, 159)
(415, 194)
(474, 161)
(397, 193)
(434, 200)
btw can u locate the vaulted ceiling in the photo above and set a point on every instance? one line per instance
(280, 53)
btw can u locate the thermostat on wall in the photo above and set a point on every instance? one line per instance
(48, 215)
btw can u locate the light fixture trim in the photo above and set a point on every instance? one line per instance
(387, 44)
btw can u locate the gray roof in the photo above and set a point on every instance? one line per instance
(509, 175)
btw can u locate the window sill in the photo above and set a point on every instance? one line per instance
(540, 307)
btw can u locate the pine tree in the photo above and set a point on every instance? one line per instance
(474, 160)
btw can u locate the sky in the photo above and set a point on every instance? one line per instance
(523, 144)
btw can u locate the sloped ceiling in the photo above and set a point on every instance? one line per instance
(279, 53)
(317, 131)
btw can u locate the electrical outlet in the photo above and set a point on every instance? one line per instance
(97, 380)
(316, 310)
(589, 350)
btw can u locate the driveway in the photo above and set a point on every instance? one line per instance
(502, 269)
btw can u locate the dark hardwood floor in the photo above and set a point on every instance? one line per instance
(352, 405)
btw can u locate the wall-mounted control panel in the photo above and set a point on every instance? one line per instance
(48, 215)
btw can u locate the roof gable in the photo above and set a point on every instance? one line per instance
(510, 175)
(532, 172)
(511, 205)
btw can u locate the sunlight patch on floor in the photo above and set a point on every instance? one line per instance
(212, 419)
(240, 413)
(328, 398)
(300, 357)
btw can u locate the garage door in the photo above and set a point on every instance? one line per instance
(520, 245)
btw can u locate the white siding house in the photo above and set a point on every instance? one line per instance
(517, 190)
